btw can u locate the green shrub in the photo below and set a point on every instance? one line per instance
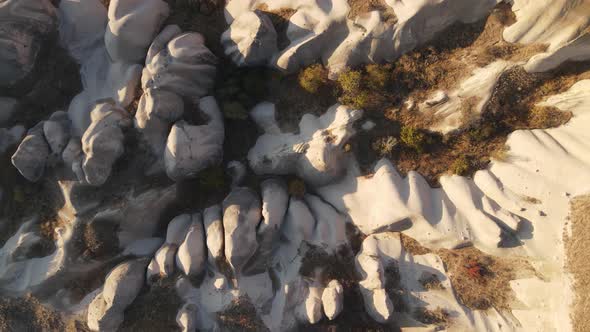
(350, 81)
(312, 78)
(360, 99)
(461, 166)
(413, 138)
(378, 76)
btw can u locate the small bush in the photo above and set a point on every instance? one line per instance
(312, 78)
(547, 117)
(384, 146)
(350, 81)
(360, 99)
(461, 166)
(413, 138)
(378, 76)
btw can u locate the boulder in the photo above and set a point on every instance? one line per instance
(31, 156)
(57, 131)
(102, 142)
(214, 232)
(333, 299)
(251, 39)
(192, 253)
(156, 112)
(122, 285)
(190, 149)
(133, 24)
(177, 229)
(185, 67)
(162, 265)
(241, 215)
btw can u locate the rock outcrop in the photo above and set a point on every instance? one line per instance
(31, 156)
(251, 39)
(190, 148)
(132, 26)
(102, 143)
(316, 154)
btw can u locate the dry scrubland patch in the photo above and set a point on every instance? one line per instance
(28, 314)
(154, 309)
(577, 260)
(402, 133)
(241, 315)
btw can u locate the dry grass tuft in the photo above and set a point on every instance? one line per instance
(438, 316)
(241, 315)
(481, 281)
(576, 248)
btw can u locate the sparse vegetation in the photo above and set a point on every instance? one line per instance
(296, 187)
(28, 314)
(413, 138)
(482, 281)
(312, 78)
(438, 316)
(384, 145)
(241, 315)
(350, 82)
(461, 165)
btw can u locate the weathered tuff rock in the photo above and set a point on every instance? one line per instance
(122, 285)
(315, 154)
(333, 299)
(191, 256)
(23, 26)
(31, 156)
(190, 149)
(102, 142)
(180, 64)
(251, 39)
(57, 131)
(132, 26)
(241, 215)
(156, 112)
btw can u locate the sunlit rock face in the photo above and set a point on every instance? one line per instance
(251, 39)
(179, 63)
(24, 24)
(132, 26)
(316, 153)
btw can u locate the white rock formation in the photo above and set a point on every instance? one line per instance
(156, 112)
(183, 66)
(333, 299)
(57, 132)
(241, 215)
(190, 149)
(251, 39)
(122, 285)
(102, 142)
(31, 156)
(132, 26)
(162, 264)
(315, 154)
(192, 253)
(214, 232)
(560, 24)
(322, 31)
